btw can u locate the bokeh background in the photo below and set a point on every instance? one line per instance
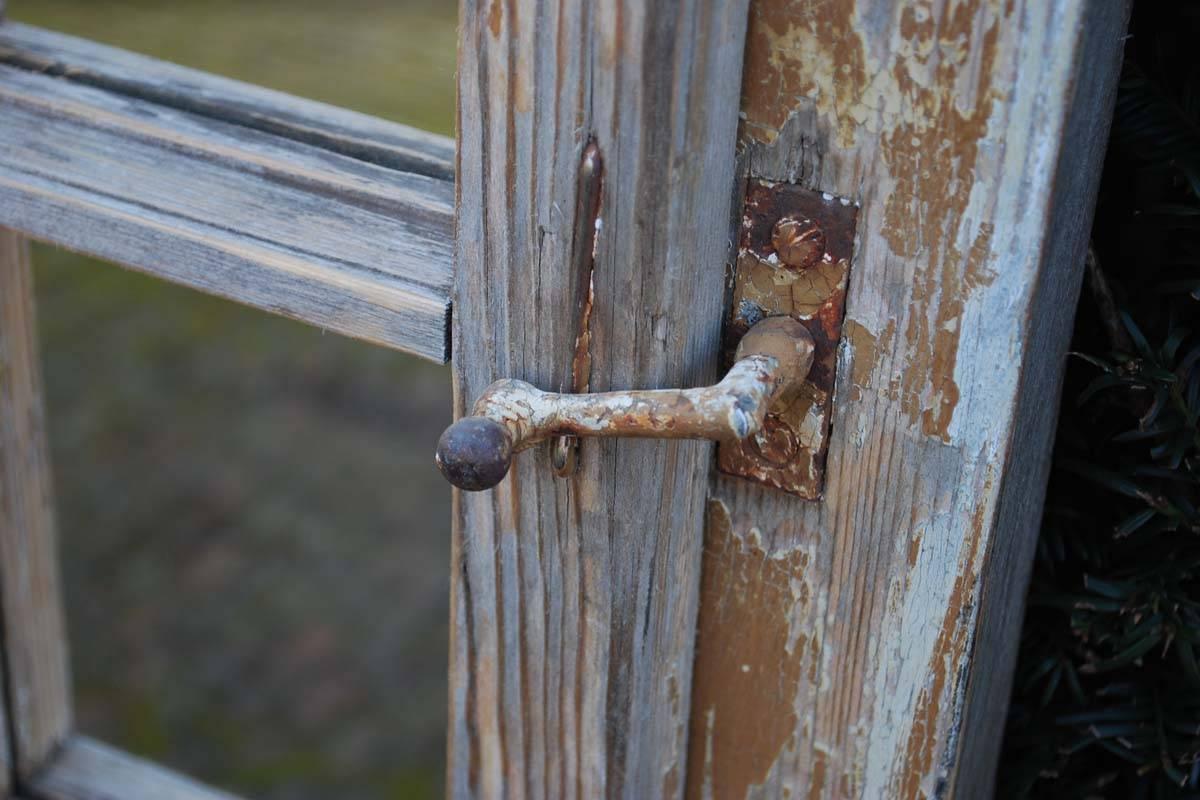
(255, 542)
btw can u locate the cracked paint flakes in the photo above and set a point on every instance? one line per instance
(867, 349)
(930, 107)
(931, 155)
(801, 49)
(755, 652)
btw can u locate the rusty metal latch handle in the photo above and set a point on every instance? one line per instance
(511, 415)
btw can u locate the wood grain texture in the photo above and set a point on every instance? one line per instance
(85, 769)
(35, 646)
(573, 602)
(862, 645)
(286, 226)
(338, 130)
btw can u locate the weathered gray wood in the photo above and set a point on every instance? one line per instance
(85, 769)
(1088, 101)
(332, 240)
(573, 602)
(6, 751)
(861, 646)
(35, 648)
(335, 129)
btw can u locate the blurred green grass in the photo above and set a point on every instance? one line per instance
(255, 543)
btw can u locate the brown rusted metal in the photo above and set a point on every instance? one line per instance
(793, 259)
(564, 455)
(800, 243)
(475, 452)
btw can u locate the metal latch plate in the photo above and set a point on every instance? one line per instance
(793, 258)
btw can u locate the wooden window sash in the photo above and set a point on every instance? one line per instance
(333, 218)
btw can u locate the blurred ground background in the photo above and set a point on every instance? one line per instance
(255, 541)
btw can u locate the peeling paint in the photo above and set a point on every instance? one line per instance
(867, 349)
(929, 104)
(798, 50)
(942, 119)
(931, 151)
(495, 17)
(754, 647)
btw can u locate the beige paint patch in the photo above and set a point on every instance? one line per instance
(867, 350)
(752, 652)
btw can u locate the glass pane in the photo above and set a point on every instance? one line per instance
(255, 540)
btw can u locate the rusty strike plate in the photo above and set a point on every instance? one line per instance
(794, 259)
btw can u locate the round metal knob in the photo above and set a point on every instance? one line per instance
(475, 453)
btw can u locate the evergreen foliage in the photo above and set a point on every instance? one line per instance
(1106, 700)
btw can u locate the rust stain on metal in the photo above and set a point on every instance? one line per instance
(565, 453)
(744, 689)
(587, 223)
(800, 243)
(780, 271)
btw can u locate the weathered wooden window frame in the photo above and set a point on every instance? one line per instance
(575, 620)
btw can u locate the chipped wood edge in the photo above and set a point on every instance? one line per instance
(1005, 575)
(35, 645)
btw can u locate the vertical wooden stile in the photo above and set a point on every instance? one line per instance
(7, 757)
(34, 637)
(862, 645)
(574, 601)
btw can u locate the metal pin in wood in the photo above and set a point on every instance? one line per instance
(564, 450)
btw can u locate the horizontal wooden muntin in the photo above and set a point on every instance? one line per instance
(85, 769)
(330, 217)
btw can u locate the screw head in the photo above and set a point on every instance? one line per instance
(800, 243)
